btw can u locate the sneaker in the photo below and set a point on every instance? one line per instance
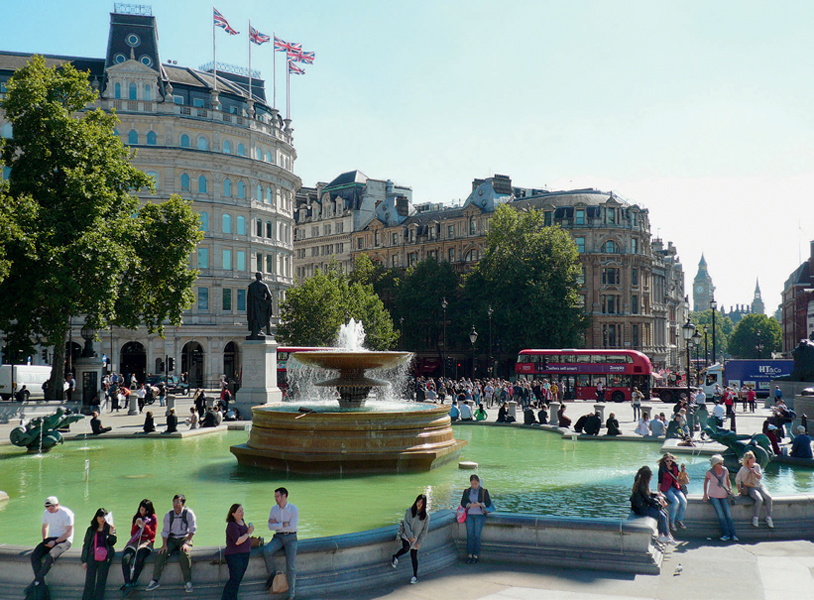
(724, 538)
(414, 580)
(474, 559)
(769, 522)
(755, 522)
(664, 539)
(188, 587)
(672, 527)
(152, 585)
(681, 525)
(735, 538)
(125, 587)
(394, 562)
(469, 559)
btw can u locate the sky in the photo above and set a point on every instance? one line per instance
(698, 111)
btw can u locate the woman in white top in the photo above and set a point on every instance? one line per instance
(750, 483)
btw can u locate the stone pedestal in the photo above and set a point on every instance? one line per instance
(88, 381)
(553, 409)
(647, 412)
(513, 410)
(259, 384)
(600, 408)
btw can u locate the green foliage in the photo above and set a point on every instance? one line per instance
(385, 281)
(745, 339)
(80, 243)
(528, 275)
(723, 329)
(314, 310)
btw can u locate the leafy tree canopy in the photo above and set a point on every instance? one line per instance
(314, 310)
(80, 244)
(745, 339)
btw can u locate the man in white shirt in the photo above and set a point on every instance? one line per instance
(466, 412)
(700, 398)
(283, 520)
(57, 537)
(179, 527)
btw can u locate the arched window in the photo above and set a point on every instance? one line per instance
(152, 138)
(241, 225)
(241, 189)
(184, 140)
(227, 223)
(132, 91)
(259, 228)
(204, 221)
(241, 150)
(132, 138)
(203, 143)
(227, 147)
(268, 156)
(148, 92)
(472, 255)
(201, 184)
(269, 196)
(259, 154)
(609, 247)
(184, 182)
(259, 193)
(227, 188)
(117, 91)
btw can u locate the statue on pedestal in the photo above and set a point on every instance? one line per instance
(258, 308)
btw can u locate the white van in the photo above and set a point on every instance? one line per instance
(32, 377)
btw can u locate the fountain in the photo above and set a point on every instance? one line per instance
(41, 434)
(350, 437)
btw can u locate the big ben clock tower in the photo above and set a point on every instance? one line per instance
(702, 288)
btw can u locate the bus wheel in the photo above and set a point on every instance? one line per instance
(667, 396)
(618, 396)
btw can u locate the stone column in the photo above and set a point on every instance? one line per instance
(512, 409)
(600, 408)
(553, 409)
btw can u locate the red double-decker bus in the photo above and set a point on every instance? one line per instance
(577, 372)
(283, 354)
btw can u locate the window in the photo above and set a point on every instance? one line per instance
(241, 225)
(154, 175)
(227, 147)
(201, 184)
(394, 260)
(580, 242)
(376, 238)
(432, 254)
(610, 276)
(259, 228)
(241, 189)
(132, 92)
(184, 140)
(395, 239)
(634, 246)
(472, 227)
(241, 260)
(633, 218)
(269, 263)
(152, 138)
(610, 305)
(227, 223)
(241, 150)
(198, 102)
(268, 195)
(340, 227)
(609, 247)
(268, 156)
(635, 331)
(179, 100)
(472, 256)
(132, 138)
(204, 221)
(227, 188)
(579, 218)
(327, 229)
(226, 303)
(269, 230)
(203, 299)
(117, 91)
(203, 258)
(450, 231)
(203, 143)
(241, 300)
(451, 255)
(259, 192)
(359, 244)
(634, 304)
(547, 219)
(184, 182)
(611, 216)
(227, 260)
(634, 277)
(148, 92)
(259, 154)
(581, 276)
(610, 337)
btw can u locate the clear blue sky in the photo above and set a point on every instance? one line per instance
(699, 111)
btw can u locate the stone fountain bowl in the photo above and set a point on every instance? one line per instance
(348, 361)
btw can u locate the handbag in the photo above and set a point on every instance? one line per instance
(460, 514)
(280, 583)
(100, 553)
(257, 541)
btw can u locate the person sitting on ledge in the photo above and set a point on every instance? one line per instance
(580, 424)
(592, 424)
(503, 414)
(528, 417)
(562, 419)
(454, 413)
(542, 414)
(210, 419)
(96, 425)
(480, 414)
(801, 446)
(613, 425)
(192, 421)
(149, 423)
(466, 412)
(657, 426)
(770, 430)
(172, 422)
(643, 428)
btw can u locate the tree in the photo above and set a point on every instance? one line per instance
(83, 245)
(385, 281)
(745, 339)
(723, 329)
(314, 310)
(528, 275)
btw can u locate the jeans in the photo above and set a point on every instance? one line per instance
(660, 516)
(678, 504)
(721, 506)
(237, 563)
(173, 545)
(127, 558)
(42, 559)
(637, 412)
(474, 527)
(96, 580)
(761, 497)
(405, 546)
(287, 542)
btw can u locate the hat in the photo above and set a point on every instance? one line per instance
(51, 501)
(772, 427)
(716, 459)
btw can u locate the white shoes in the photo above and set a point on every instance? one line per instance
(152, 585)
(666, 539)
(755, 522)
(769, 522)
(188, 587)
(414, 580)
(394, 562)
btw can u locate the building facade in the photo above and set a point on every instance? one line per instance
(229, 152)
(798, 304)
(631, 287)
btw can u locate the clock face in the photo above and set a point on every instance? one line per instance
(699, 288)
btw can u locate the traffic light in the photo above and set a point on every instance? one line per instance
(170, 364)
(161, 367)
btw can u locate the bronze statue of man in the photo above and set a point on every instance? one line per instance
(258, 308)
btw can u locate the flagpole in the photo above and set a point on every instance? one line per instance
(250, 60)
(287, 89)
(214, 52)
(274, 74)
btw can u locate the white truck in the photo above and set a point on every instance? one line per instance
(14, 377)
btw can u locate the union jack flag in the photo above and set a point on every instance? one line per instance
(294, 69)
(221, 22)
(283, 46)
(257, 37)
(303, 57)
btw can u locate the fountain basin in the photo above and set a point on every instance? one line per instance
(326, 443)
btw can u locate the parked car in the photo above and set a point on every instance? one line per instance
(173, 383)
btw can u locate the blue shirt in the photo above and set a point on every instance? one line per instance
(454, 413)
(801, 447)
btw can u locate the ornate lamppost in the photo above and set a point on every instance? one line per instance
(444, 353)
(473, 337)
(88, 333)
(687, 330)
(706, 354)
(696, 340)
(490, 312)
(759, 345)
(714, 306)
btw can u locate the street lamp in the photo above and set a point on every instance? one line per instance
(714, 306)
(687, 330)
(706, 355)
(696, 340)
(87, 332)
(473, 337)
(444, 353)
(759, 345)
(490, 312)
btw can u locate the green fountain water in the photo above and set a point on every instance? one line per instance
(525, 470)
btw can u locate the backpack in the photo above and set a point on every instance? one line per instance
(183, 516)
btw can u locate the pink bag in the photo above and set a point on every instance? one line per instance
(461, 514)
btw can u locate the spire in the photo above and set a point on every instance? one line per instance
(757, 288)
(702, 262)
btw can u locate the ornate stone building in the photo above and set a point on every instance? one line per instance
(703, 292)
(798, 304)
(228, 152)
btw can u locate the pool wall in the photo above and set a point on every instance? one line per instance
(362, 560)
